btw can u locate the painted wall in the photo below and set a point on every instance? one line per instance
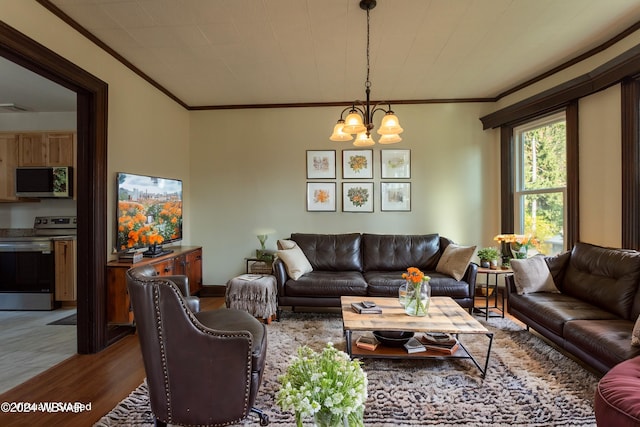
(148, 133)
(600, 173)
(247, 174)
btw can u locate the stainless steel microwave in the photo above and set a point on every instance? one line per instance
(55, 181)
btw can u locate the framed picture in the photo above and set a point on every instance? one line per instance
(356, 164)
(395, 164)
(395, 196)
(357, 196)
(321, 164)
(321, 196)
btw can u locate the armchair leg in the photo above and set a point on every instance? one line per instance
(264, 418)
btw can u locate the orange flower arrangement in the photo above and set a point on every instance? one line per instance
(519, 241)
(415, 276)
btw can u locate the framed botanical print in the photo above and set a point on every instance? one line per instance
(321, 196)
(357, 196)
(395, 164)
(395, 196)
(321, 164)
(357, 164)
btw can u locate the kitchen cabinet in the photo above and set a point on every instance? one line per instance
(33, 149)
(185, 260)
(65, 269)
(47, 149)
(8, 162)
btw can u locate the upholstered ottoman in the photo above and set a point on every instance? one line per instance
(256, 294)
(617, 400)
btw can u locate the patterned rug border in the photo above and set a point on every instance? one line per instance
(529, 383)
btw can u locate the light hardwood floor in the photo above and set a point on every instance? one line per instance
(102, 379)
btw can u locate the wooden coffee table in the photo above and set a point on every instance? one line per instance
(445, 315)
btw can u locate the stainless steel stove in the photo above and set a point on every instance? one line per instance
(27, 263)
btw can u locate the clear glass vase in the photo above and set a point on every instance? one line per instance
(325, 418)
(418, 298)
(402, 294)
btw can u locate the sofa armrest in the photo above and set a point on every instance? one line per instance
(470, 277)
(280, 271)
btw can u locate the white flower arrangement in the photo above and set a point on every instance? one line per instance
(328, 386)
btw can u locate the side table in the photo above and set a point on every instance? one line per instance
(487, 285)
(257, 294)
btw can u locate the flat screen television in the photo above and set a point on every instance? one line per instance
(149, 213)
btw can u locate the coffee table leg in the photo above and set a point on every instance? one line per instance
(483, 371)
(347, 337)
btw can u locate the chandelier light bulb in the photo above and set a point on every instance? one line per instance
(390, 125)
(389, 139)
(353, 123)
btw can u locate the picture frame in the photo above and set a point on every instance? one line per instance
(395, 196)
(321, 164)
(321, 196)
(357, 196)
(395, 164)
(357, 164)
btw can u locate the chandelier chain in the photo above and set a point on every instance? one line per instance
(367, 83)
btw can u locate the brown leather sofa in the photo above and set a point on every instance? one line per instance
(593, 315)
(367, 265)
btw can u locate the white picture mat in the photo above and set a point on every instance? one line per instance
(321, 164)
(395, 164)
(357, 196)
(357, 164)
(395, 196)
(321, 196)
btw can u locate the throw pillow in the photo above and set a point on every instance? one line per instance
(295, 262)
(455, 260)
(635, 335)
(286, 244)
(532, 275)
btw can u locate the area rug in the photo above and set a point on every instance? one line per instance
(69, 320)
(528, 382)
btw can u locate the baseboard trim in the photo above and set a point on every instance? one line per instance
(212, 291)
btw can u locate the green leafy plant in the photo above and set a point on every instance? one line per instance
(328, 386)
(488, 254)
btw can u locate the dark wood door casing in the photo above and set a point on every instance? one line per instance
(91, 172)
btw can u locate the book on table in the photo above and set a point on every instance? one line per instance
(365, 307)
(414, 346)
(367, 342)
(441, 343)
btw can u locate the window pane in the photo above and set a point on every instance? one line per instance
(544, 156)
(544, 219)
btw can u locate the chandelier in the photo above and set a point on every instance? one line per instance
(359, 121)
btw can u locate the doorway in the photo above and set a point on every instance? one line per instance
(92, 172)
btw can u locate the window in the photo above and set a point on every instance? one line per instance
(541, 181)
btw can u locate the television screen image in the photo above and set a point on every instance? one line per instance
(149, 212)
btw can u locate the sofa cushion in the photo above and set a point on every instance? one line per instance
(607, 278)
(552, 310)
(327, 284)
(635, 335)
(286, 244)
(386, 284)
(295, 262)
(617, 401)
(454, 260)
(532, 275)
(391, 252)
(605, 340)
(331, 252)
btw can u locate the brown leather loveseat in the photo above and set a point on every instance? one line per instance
(594, 314)
(368, 265)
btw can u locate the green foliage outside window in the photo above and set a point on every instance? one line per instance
(544, 179)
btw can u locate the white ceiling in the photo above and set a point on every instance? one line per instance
(245, 52)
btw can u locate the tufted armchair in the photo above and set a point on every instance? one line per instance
(202, 368)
